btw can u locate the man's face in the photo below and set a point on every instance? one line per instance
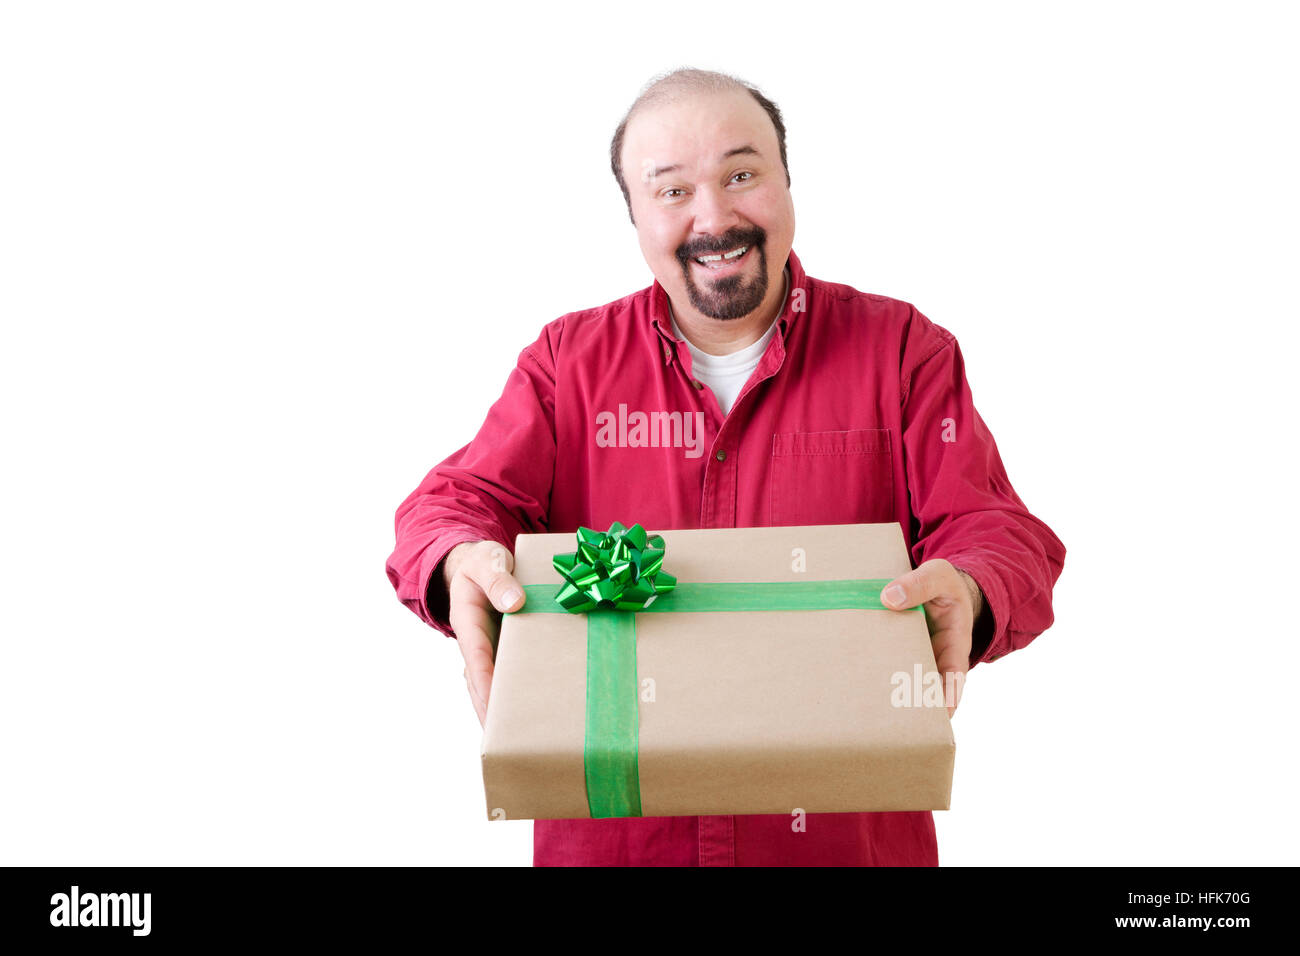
(705, 179)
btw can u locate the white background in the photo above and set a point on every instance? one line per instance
(262, 265)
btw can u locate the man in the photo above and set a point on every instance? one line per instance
(801, 402)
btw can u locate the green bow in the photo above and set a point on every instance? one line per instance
(618, 569)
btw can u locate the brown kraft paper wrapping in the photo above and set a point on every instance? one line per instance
(751, 711)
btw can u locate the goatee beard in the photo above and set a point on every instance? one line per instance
(735, 296)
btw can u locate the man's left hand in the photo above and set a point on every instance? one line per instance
(952, 602)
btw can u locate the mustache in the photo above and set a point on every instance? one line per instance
(737, 237)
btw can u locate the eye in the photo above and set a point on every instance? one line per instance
(747, 174)
(675, 189)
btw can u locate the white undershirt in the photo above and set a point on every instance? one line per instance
(726, 375)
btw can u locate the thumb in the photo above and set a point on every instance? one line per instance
(505, 592)
(490, 571)
(921, 584)
(897, 593)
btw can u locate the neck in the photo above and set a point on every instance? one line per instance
(724, 336)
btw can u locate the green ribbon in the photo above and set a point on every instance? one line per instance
(619, 572)
(854, 594)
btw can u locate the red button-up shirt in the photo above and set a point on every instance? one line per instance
(859, 411)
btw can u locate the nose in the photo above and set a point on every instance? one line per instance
(714, 211)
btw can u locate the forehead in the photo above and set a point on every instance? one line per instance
(696, 130)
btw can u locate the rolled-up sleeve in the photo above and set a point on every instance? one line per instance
(496, 487)
(963, 505)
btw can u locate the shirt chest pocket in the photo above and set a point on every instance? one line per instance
(837, 477)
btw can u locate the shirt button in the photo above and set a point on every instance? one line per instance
(720, 455)
(698, 384)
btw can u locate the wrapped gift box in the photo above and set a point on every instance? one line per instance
(768, 680)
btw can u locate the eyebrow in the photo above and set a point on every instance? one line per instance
(746, 150)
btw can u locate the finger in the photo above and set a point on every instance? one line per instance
(475, 630)
(952, 658)
(934, 580)
(480, 709)
(478, 678)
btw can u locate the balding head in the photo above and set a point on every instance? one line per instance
(671, 88)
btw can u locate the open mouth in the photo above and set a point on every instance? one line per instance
(723, 262)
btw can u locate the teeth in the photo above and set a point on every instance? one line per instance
(705, 260)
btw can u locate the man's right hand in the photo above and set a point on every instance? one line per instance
(480, 586)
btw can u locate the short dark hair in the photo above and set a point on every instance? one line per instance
(674, 85)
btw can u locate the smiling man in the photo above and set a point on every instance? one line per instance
(805, 402)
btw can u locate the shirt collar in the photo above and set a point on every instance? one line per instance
(662, 323)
